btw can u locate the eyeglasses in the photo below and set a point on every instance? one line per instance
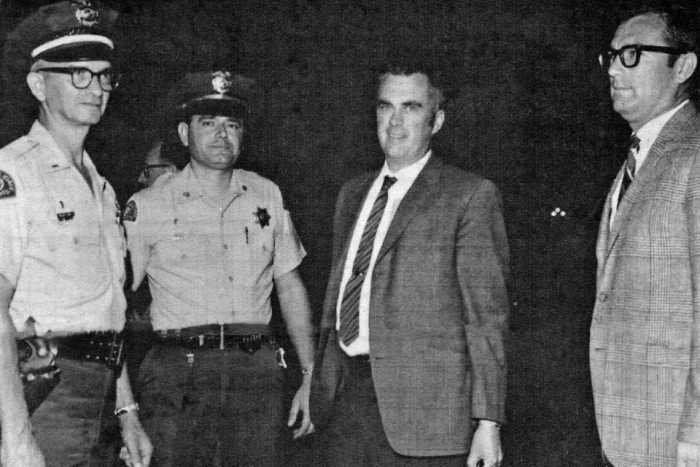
(146, 171)
(82, 77)
(630, 54)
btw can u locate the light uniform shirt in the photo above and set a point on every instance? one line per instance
(647, 134)
(404, 180)
(61, 246)
(205, 264)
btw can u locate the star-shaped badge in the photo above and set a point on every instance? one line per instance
(263, 217)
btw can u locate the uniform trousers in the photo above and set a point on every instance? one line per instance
(67, 424)
(355, 436)
(213, 407)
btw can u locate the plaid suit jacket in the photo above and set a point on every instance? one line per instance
(644, 348)
(438, 311)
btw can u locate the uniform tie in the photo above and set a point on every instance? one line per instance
(350, 306)
(629, 168)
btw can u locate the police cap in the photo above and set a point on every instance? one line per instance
(67, 31)
(218, 93)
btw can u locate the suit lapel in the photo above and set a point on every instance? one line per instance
(418, 197)
(655, 163)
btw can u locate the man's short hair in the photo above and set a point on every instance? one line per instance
(436, 87)
(174, 153)
(171, 150)
(682, 31)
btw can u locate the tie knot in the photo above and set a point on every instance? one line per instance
(634, 143)
(631, 159)
(388, 181)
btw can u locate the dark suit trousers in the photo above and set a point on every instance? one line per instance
(355, 436)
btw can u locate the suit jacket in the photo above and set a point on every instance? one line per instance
(438, 311)
(644, 349)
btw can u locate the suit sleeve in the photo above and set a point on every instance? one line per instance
(689, 430)
(482, 269)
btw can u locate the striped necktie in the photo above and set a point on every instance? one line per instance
(629, 168)
(350, 306)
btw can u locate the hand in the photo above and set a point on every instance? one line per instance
(486, 447)
(137, 448)
(688, 455)
(22, 454)
(301, 404)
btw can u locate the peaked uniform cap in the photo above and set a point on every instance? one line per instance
(67, 31)
(213, 93)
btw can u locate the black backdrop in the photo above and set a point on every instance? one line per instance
(529, 110)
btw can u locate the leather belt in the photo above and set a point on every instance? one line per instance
(357, 358)
(104, 347)
(217, 337)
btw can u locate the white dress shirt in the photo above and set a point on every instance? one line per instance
(404, 180)
(647, 134)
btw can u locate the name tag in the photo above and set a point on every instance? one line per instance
(65, 216)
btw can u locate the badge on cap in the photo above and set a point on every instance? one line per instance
(221, 81)
(85, 14)
(7, 186)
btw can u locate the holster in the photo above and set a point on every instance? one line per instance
(39, 374)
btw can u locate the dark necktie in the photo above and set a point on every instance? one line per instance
(350, 306)
(629, 168)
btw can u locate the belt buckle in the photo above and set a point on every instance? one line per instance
(251, 343)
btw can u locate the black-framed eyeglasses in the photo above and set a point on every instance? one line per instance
(630, 54)
(82, 77)
(146, 171)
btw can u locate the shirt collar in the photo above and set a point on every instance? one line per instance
(55, 158)
(191, 188)
(408, 173)
(648, 133)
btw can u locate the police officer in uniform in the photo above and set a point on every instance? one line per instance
(62, 248)
(214, 241)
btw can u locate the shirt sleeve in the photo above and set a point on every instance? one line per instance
(289, 251)
(13, 227)
(136, 238)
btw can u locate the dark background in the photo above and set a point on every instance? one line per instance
(529, 110)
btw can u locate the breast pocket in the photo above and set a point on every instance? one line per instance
(70, 230)
(259, 246)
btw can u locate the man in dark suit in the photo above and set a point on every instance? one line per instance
(645, 333)
(410, 368)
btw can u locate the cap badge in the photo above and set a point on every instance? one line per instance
(221, 81)
(86, 15)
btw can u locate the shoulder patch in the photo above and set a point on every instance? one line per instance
(130, 211)
(7, 186)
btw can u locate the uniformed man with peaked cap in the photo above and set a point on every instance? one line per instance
(62, 248)
(214, 240)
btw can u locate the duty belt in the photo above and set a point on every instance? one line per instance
(100, 347)
(215, 337)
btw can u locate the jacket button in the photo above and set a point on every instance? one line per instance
(602, 296)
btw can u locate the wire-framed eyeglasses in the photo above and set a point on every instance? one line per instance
(630, 54)
(82, 77)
